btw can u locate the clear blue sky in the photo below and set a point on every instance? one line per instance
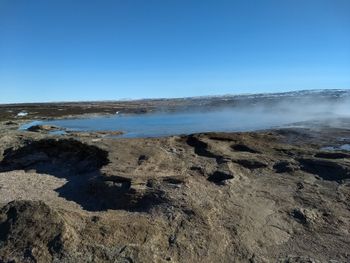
(55, 50)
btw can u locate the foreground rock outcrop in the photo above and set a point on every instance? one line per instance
(271, 196)
(31, 231)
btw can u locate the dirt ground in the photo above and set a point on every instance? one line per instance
(269, 196)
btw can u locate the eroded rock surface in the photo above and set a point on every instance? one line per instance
(31, 231)
(269, 196)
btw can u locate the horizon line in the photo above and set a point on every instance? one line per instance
(173, 98)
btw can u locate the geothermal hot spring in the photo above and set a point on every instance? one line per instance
(176, 123)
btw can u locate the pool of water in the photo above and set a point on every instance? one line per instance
(164, 124)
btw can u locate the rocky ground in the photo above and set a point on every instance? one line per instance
(269, 196)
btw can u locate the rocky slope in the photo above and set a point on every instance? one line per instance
(270, 196)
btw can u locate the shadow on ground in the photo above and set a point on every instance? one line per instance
(80, 165)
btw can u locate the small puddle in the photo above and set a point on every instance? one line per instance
(344, 147)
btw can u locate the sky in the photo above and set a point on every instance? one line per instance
(74, 50)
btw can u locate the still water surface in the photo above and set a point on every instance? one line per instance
(164, 124)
